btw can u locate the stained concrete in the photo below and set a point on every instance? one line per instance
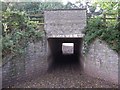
(102, 62)
(64, 22)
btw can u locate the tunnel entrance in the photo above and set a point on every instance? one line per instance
(61, 27)
(67, 48)
(64, 52)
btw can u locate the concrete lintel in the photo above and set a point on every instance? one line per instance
(67, 36)
(63, 9)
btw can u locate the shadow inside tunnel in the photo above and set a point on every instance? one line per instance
(65, 61)
(62, 56)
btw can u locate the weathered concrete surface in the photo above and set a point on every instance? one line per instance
(64, 22)
(36, 52)
(28, 66)
(0, 77)
(119, 68)
(102, 62)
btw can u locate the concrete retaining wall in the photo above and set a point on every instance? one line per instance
(27, 66)
(102, 62)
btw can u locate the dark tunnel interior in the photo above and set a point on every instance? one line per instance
(58, 59)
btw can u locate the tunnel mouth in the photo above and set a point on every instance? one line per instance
(61, 58)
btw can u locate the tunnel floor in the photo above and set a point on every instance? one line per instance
(65, 74)
(66, 61)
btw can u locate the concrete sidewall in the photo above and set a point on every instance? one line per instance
(102, 62)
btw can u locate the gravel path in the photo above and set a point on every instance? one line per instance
(65, 77)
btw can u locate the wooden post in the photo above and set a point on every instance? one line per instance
(104, 18)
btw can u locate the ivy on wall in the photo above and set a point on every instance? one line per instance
(107, 30)
(17, 31)
(96, 28)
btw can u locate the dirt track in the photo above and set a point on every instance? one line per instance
(65, 76)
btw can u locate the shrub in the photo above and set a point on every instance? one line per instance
(96, 28)
(17, 31)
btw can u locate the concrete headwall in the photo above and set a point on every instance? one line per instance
(102, 62)
(64, 22)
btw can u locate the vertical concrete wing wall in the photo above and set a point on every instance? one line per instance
(102, 62)
(64, 22)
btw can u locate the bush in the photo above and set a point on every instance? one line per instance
(96, 28)
(17, 31)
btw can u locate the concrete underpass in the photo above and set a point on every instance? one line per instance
(64, 26)
(56, 56)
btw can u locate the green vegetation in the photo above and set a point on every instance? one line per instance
(108, 7)
(34, 7)
(17, 31)
(97, 29)
(107, 30)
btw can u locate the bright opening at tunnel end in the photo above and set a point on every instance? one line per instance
(68, 48)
